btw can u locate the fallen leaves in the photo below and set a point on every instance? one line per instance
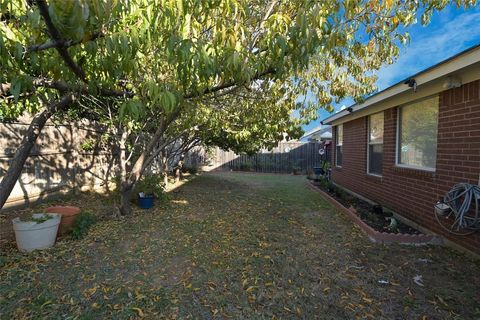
(90, 292)
(251, 288)
(243, 255)
(139, 312)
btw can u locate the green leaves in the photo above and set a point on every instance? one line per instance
(168, 101)
(158, 97)
(132, 110)
(20, 84)
(16, 88)
(82, 224)
(69, 17)
(186, 46)
(207, 59)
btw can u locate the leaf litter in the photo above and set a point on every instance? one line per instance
(232, 246)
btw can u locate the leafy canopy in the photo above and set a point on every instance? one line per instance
(171, 56)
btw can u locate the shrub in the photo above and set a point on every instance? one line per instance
(42, 219)
(247, 166)
(81, 225)
(152, 184)
(296, 170)
(325, 184)
(190, 169)
(88, 145)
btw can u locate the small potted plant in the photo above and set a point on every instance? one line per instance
(145, 200)
(318, 171)
(38, 232)
(149, 188)
(68, 215)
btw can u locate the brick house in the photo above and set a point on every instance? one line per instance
(406, 146)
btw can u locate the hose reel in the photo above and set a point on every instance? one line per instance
(459, 210)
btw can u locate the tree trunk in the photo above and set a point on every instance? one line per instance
(165, 168)
(125, 187)
(151, 151)
(128, 184)
(125, 196)
(23, 151)
(178, 173)
(123, 155)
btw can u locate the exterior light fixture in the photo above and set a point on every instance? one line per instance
(412, 84)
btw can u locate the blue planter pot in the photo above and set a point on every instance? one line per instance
(145, 202)
(318, 171)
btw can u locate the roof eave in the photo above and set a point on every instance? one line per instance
(470, 57)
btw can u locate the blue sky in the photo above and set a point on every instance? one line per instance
(449, 32)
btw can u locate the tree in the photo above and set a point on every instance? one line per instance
(167, 59)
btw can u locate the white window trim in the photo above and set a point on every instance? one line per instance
(338, 145)
(375, 175)
(368, 144)
(397, 142)
(409, 166)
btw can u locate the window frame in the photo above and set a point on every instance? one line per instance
(338, 145)
(368, 143)
(397, 140)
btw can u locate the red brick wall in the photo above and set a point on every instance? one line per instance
(412, 193)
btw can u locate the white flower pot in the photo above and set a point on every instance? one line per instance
(31, 235)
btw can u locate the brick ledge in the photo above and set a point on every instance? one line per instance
(374, 235)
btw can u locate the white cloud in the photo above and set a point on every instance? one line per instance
(450, 32)
(445, 38)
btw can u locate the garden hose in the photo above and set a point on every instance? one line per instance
(460, 199)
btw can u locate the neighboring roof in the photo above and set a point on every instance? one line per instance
(459, 61)
(323, 131)
(326, 135)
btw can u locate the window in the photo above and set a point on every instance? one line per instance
(338, 145)
(417, 134)
(375, 143)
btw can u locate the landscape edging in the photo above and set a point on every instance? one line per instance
(374, 235)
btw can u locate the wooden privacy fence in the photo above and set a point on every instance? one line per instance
(58, 162)
(287, 157)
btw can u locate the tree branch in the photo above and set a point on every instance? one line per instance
(65, 87)
(60, 44)
(227, 85)
(267, 15)
(155, 152)
(55, 35)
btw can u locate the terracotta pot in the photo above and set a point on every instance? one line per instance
(68, 213)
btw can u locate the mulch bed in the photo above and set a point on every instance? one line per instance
(373, 215)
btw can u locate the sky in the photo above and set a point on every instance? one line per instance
(449, 32)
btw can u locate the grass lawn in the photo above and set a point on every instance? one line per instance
(237, 246)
